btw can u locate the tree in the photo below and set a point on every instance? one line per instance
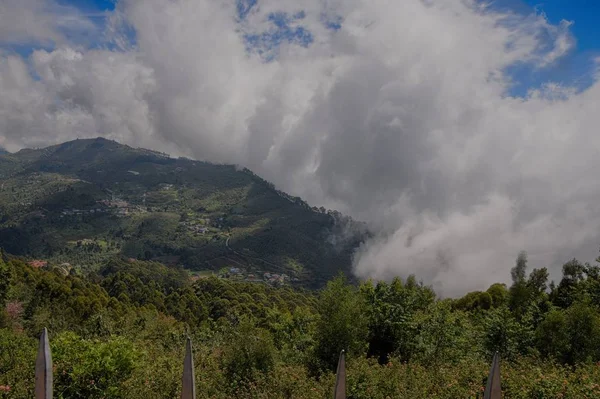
(537, 282)
(519, 293)
(552, 338)
(444, 335)
(570, 336)
(593, 283)
(342, 323)
(392, 311)
(505, 334)
(570, 287)
(499, 294)
(92, 369)
(249, 350)
(518, 272)
(5, 279)
(583, 326)
(475, 300)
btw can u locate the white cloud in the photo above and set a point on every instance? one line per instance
(40, 21)
(563, 42)
(400, 118)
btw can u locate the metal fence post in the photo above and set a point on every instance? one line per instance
(492, 388)
(340, 378)
(188, 388)
(43, 368)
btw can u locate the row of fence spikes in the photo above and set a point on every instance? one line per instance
(43, 374)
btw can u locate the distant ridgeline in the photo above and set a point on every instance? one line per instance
(86, 201)
(340, 219)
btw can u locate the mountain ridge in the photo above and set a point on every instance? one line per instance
(83, 201)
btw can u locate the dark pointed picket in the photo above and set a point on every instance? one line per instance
(340, 378)
(492, 388)
(43, 369)
(188, 388)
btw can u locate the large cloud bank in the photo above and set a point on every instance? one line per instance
(395, 112)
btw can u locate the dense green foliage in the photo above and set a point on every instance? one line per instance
(120, 333)
(82, 202)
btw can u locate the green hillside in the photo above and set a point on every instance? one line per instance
(86, 201)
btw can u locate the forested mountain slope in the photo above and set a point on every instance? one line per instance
(82, 202)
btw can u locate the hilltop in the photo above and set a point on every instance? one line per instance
(83, 202)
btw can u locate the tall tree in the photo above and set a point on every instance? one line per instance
(519, 272)
(499, 294)
(537, 282)
(519, 294)
(342, 324)
(392, 311)
(570, 287)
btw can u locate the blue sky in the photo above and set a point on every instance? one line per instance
(91, 5)
(584, 14)
(575, 69)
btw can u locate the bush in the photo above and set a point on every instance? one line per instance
(92, 368)
(248, 352)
